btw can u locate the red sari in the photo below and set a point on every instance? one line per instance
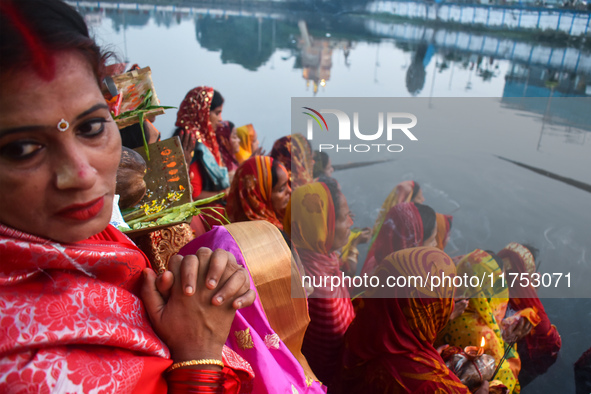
(539, 349)
(223, 134)
(389, 346)
(71, 320)
(402, 228)
(193, 116)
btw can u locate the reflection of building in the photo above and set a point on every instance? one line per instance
(536, 81)
(557, 96)
(316, 56)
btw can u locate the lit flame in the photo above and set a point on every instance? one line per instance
(482, 342)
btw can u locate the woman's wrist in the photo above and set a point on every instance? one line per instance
(211, 353)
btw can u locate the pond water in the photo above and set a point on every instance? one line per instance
(261, 58)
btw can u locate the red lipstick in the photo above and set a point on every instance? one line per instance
(85, 211)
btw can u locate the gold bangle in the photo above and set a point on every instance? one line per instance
(206, 361)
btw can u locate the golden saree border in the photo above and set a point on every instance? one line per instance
(275, 275)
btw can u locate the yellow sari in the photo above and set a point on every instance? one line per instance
(485, 311)
(246, 134)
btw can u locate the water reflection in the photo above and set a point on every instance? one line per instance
(256, 35)
(250, 38)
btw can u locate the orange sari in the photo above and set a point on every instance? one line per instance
(250, 194)
(443, 229)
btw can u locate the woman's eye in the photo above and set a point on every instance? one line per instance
(92, 128)
(20, 150)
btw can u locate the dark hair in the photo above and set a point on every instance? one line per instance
(320, 163)
(231, 125)
(496, 258)
(428, 218)
(131, 136)
(287, 240)
(33, 31)
(274, 176)
(216, 101)
(335, 191)
(415, 189)
(535, 252)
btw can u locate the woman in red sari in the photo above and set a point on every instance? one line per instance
(539, 349)
(229, 144)
(389, 345)
(406, 191)
(72, 300)
(197, 120)
(407, 225)
(260, 191)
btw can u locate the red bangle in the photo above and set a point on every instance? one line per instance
(194, 374)
(183, 388)
(194, 377)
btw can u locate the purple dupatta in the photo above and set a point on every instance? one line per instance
(276, 369)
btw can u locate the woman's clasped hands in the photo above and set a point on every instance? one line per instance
(193, 303)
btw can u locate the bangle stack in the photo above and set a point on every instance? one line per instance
(195, 381)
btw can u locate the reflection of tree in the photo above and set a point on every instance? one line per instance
(125, 18)
(165, 19)
(242, 40)
(415, 74)
(488, 70)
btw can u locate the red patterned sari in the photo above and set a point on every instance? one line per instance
(250, 193)
(389, 346)
(193, 116)
(401, 228)
(71, 320)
